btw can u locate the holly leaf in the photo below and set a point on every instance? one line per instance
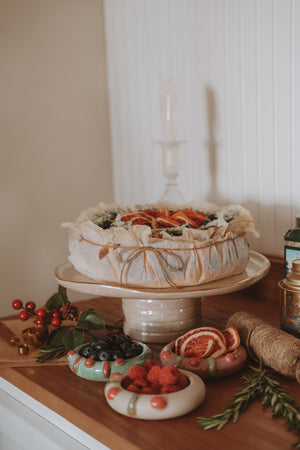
(63, 292)
(73, 338)
(55, 302)
(56, 336)
(90, 320)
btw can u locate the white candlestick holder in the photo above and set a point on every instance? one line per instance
(171, 165)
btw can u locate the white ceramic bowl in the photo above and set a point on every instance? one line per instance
(155, 406)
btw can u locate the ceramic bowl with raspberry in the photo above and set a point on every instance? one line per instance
(155, 392)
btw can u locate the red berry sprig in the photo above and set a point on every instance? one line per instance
(29, 310)
(43, 317)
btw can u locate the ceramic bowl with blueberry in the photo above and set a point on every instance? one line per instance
(108, 355)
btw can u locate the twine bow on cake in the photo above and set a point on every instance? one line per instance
(160, 255)
(128, 255)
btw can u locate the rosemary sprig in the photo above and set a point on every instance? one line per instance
(259, 385)
(250, 391)
(47, 353)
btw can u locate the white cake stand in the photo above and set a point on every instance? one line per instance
(161, 315)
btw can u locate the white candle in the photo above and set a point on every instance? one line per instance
(168, 108)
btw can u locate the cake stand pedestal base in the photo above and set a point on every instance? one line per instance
(160, 321)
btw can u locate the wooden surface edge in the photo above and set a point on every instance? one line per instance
(75, 416)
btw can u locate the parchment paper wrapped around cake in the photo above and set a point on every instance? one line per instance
(160, 245)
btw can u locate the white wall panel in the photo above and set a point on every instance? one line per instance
(265, 118)
(295, 128)
(236, 67)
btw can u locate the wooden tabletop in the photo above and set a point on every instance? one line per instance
(82, 402)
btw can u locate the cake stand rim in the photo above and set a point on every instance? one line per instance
(258, 267)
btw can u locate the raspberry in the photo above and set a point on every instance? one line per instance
(164, 389)
(151, 363)
(147, 390)
(155, 387)
(141, 382)
(182, 381)
(133, 388)
(169, 388)
(174, 388)
(126, 382)
(168, 375)
(136, 372)
(153, 374)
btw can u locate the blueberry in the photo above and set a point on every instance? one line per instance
(104, 355)
(103, 345)
(86, 350)
(125, 345)
(93, 343)
(115, 339)
(93, 354)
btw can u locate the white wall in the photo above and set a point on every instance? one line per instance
(54, 136)
(236, 65)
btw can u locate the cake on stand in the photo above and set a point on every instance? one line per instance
(161, 315)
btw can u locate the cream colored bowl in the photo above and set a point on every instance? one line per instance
(155, 406)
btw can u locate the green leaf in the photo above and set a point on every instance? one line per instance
(56, 336)
(90, 320)
(63, 292)
(73, 338)
(56, 301)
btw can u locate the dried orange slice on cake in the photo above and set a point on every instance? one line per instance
(167, 222)
(181, 218)
(196, 217)
(162, 212)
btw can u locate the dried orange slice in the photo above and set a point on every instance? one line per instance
(179, 341)
(151, 212)
(198, 345)
(126, 217)
(196, 217)
(162, 212)
(199, 337)
(220, 347)
(139, 218)
(181, 217)
(166, 222)
(232, 337)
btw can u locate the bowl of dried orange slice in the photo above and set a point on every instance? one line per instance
(207, 351)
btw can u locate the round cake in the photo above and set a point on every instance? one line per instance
(161, 245)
